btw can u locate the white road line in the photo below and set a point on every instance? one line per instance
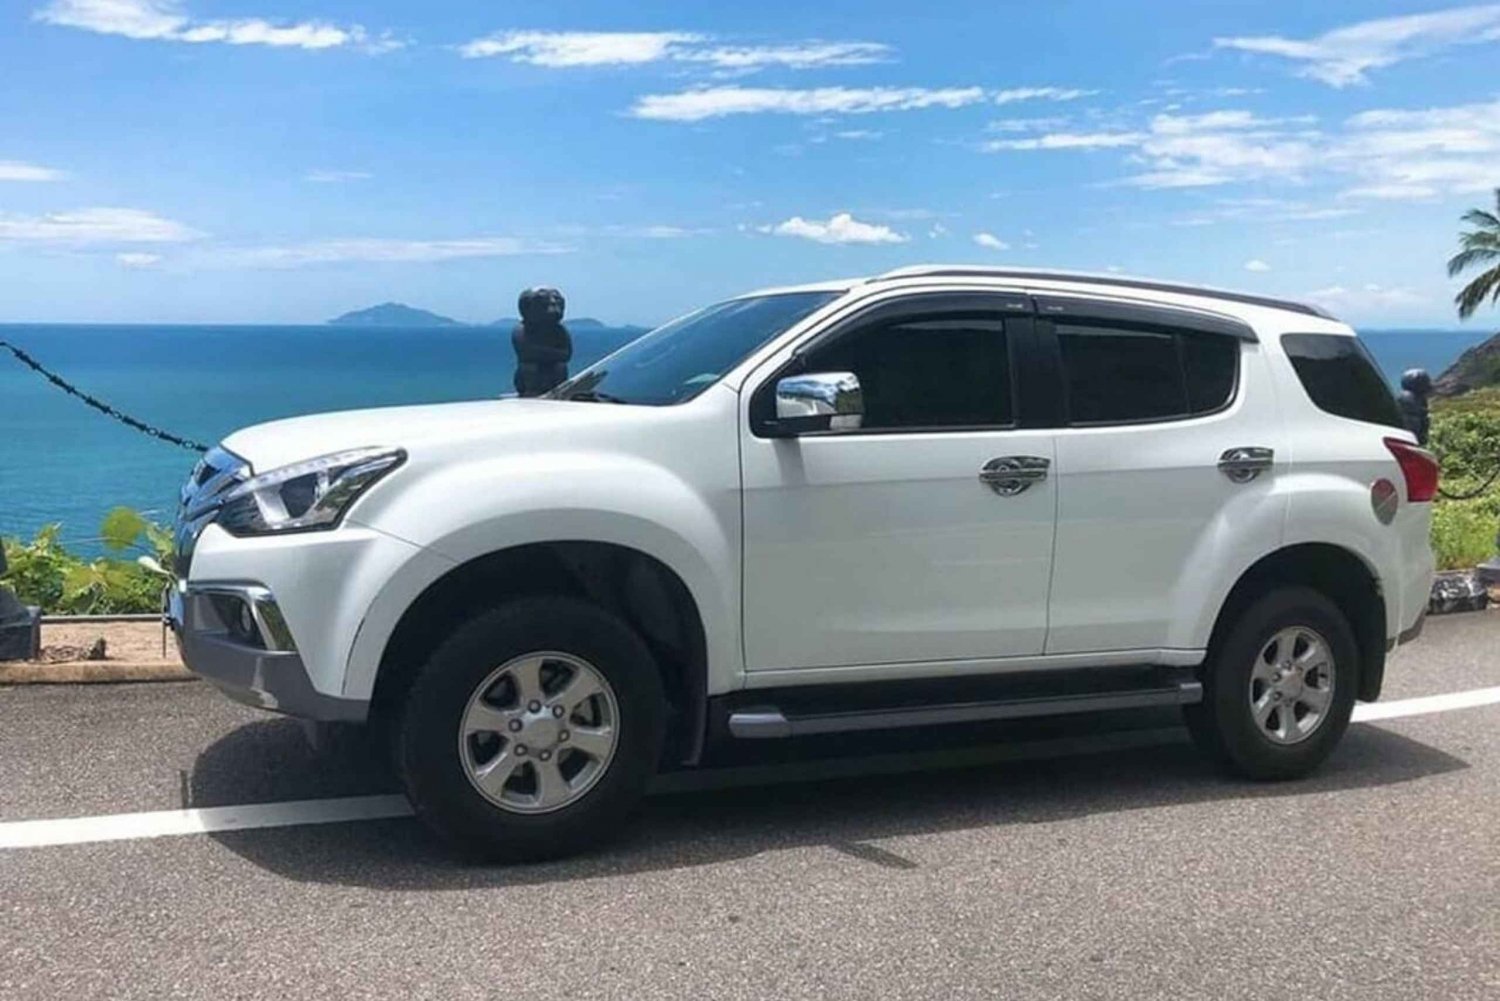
(163, 823)
(293, 813)
(1371, 711)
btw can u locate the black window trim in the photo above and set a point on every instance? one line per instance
(1176, 318)
(1017, 309)
(1144, 320)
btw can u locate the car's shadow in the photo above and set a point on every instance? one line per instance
(958, 789)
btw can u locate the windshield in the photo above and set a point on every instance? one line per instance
(678, 361)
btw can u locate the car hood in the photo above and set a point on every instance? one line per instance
(423, 428)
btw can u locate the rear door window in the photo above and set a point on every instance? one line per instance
(1124, 375)
(1341, 378)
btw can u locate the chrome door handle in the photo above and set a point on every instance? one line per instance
(1245, 463)
(1009, 475)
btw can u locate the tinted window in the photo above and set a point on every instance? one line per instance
(1341, 377)
(1116, 376)
(1211, 365)
(680, 360)
(934, 372)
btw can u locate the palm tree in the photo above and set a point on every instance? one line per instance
(1481, 246)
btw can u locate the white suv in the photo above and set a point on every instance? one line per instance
(937, 496)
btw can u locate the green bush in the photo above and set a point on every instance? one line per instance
(43, 572)
(1463, 534)
(1466, 438)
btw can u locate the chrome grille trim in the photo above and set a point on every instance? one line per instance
(218, 472)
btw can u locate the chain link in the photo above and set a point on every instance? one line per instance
(1475, 493)
(100, 405)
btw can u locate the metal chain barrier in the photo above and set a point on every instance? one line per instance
(100, 405)
(1475, 493)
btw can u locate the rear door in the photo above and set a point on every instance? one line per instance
(1165, 468)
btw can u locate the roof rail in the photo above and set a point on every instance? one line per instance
(1120, 281)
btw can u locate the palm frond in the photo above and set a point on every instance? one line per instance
(1466, 259)
(1479, 240)
(1479, 217)
(1472, 295)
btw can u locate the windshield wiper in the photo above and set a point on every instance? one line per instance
(594, 396)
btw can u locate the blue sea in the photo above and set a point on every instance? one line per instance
(62, 462)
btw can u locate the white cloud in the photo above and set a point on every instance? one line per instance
(840, 228)
(565, 49)
(1068, 140)
(336, 176)
(1041, 94)
(717, 102)
(1345, 55)
(93, 226)
(15, 170)
(376, 250)
(1380, 153)
(1256, 264)
(937, 230)
(1365, 298)
(859, 134)
(578, 48)
(164, 20)
(1026, 124)
(138, 260)
(1184, 151)
(990, 241)
(1416, 154)
(802, 55)
(1263, 210)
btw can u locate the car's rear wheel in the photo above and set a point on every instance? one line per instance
(532, 731)
(1279, 688)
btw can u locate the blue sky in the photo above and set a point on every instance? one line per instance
(278, 161)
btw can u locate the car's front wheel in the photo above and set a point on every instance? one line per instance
(1278, 690)
(532, 731)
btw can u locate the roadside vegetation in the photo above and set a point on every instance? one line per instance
(1466, 427)
(46, 573)
(1466, 436)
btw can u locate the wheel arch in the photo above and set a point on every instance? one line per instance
(1341, 574)
(640, 588)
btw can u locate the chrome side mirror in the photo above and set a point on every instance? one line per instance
(820, 401)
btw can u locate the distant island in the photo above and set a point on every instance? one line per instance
(398, 314)
(393, 314)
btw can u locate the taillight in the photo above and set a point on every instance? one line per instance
(1419, 466)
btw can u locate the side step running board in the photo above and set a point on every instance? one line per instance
(765, 722)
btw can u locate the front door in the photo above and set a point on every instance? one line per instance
(905, 541)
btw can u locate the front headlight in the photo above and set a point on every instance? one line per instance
(305, 495)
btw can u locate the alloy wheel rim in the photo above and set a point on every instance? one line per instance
(539, 732)
(1291, 685)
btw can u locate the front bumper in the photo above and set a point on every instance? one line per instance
(253, 661)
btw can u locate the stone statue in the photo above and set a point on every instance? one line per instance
(1416, 387)
(20, 627)
(543, 347)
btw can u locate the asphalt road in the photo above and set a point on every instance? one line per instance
(1075, 866)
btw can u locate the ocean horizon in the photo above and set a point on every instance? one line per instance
(63, 462)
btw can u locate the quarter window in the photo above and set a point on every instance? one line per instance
(936, 372)
(1341, 378)
(1117, 375)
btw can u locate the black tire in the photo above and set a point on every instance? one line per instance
(1223, 724)
(427, 749)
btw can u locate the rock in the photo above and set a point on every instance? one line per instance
(1477, 367)
(1457, 591)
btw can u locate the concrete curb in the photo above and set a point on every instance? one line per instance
(91, 672)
